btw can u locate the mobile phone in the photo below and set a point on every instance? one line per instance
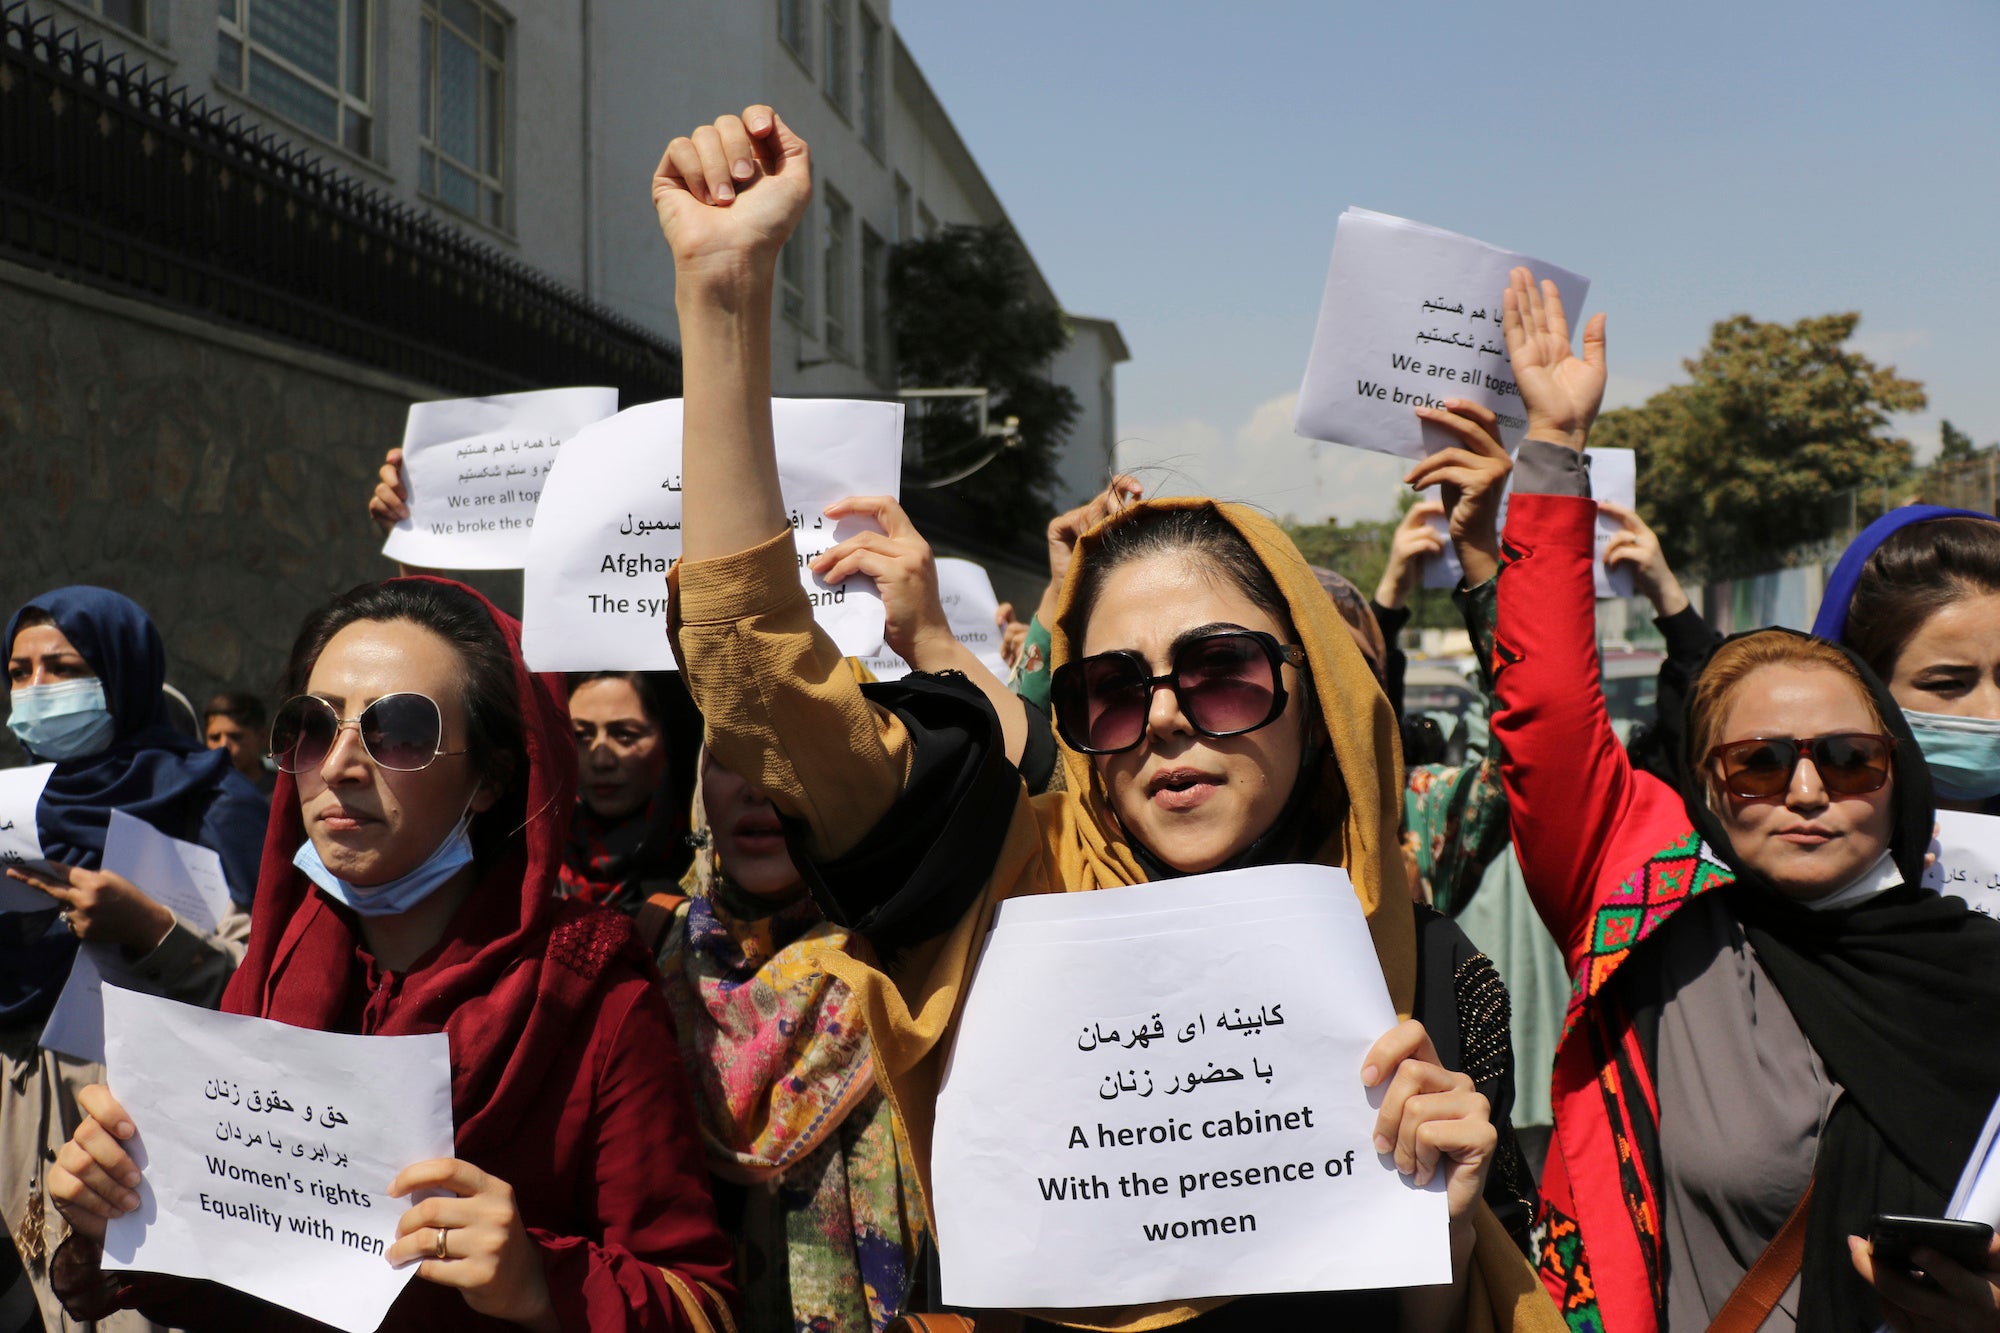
(1894, 1236)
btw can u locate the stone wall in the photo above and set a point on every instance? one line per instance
(218, 479)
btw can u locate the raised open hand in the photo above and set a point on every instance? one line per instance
(732, 191)
(1471, 477)
(1561, 391)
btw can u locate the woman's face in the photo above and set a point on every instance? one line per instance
(371, 824)
(1192, 800)
(1808, 842)
(748, 840)
(622, 753)
(43, 655)
(1952, 663)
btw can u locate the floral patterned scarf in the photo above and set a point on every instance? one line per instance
(784, 1083)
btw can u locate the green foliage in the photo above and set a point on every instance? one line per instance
(1358, 551)
(1745, 462)
(963, 316)
(1957, 446)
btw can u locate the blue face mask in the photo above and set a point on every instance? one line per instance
(405, 891)
(1963, 754)
(67, 720)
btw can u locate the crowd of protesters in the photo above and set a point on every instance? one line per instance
(686, 930)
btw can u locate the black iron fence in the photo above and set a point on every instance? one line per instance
(111, 177)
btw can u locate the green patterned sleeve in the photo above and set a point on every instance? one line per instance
(1457, 817)
(1031, 673)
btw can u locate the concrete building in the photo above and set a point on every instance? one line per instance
(528, 132)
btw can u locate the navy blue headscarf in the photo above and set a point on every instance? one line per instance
(1831, 623)
(150, 771)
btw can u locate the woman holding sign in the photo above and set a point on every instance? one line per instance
(86, 666)
(916, 827)
(1774, 1035)
(408, 887)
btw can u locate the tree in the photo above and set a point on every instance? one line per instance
(963, 315)
(1744, 463)
(1359, 551)
(1956, 445)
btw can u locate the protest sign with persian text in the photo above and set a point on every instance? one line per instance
(267, 1151)
(1140, 1107)
(1411, 317)
(594, 595)
(473, 470)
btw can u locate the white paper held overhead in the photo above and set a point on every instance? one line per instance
(474, 469)
(1412, 316)
(594, 595)
(1140, 1108)
(267, 1152)
(970, 607)
(1613, 477)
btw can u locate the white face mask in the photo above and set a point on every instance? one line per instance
(66, 720)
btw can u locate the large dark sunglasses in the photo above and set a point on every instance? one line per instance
(1227, 682)
(402, 732)
(1850, 763)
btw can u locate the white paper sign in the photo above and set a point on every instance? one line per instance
(1967, 849)
(267, 1150)
(1412, 316)
(20, 838)
(184, 877)
(971, 607)
(594, 596)
(1613, 477)
(1140, 1107)
(474, 468)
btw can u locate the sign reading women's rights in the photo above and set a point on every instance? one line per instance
(971, 608)
(1967, 864)
(267, 1151)
(1140, 1107)
(594, 595)
(474, 469)
(1411, 317)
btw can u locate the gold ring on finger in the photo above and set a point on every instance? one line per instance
(441, 1233)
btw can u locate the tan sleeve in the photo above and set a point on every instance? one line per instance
(193, 968)
(781, 707)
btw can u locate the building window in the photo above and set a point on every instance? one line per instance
(793, 262)
(130, 15)
(792, 29)
(839, 75)
(871, 80)
(906, 225)
(874, 328)
(839, 236)
(461, 114)
(307, 60)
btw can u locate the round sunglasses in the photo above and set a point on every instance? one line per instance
(1227, 682)
(401, 732)
(1849, 763)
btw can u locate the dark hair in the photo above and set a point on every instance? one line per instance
(244, 709)
(494, 737)
(642, 684)
(1917, 572)
(1203, 535)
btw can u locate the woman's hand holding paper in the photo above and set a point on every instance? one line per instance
(1639, 547)
(1560, 391)
(905, 573)
(93, 1178)
(103, 908)
(1472, 476)
(389, 505)
(1413, 542)
(1431, 1118)
(488, 1254)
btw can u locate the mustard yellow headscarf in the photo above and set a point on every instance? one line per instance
(1069, 842)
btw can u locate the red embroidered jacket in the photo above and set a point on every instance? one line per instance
(1608, 854)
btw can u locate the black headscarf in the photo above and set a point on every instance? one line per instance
(1899, 996)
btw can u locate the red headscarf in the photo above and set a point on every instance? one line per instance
(517, 966)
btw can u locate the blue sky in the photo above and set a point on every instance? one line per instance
(1178, 167)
